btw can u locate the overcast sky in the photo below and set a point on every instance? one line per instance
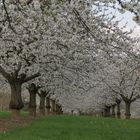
(127, 17)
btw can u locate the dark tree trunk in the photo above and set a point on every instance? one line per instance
(118, 103)
(127, 109)
(57, 109)
(32, 104)
(108, 111)
(48, 106)
(113, 111)
(42, 95)
(32, 111)
(105, 112)
(60, 111)
(128, 102)
(33, 89)
(16, 80)
(16, 103)
(118, 110)
(42, 106)
(52, 106)
(102, 113)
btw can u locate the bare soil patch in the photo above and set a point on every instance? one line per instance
(10, 123)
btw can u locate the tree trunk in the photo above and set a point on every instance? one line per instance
(48, 106)
(15, 113)
(42, 106)
(113, 111)
(118, 110)
(16, 103)
(102, 113)
(60, 111)
(108, 111)
(33, 90)
(42, 111)
(32, 112)
(105, 112)
(32, 104)
(57, 109)
(52, 106)
(127, 109)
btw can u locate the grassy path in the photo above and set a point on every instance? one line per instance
(76, 128)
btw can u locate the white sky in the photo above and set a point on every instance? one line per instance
(127, 17)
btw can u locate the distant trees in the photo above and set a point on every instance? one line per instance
(118, 102)
(33, 90)
(48, 105)
(42, 94)
(123, 81)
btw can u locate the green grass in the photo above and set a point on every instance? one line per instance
(4, 114)
(76, 128)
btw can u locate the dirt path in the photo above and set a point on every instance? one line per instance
(10, 123)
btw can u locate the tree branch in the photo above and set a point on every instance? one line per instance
(18, 69)
(124, 97)
(7, 16)
(29, 1)
(133, 88)
(118, 100)
(31, 77)
(135, 98)
(4, 73)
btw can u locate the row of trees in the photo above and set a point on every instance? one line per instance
(66, 47)
(52, 106)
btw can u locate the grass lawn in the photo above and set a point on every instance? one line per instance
(76, 128)
(7, 114)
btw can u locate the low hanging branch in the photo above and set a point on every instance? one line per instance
(8, 18)
(83, 23)
(4, 73)
(132, 9)
(18, 69)
(31, 77)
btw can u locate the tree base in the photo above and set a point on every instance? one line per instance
(113, 115)
(127, 116)
(32, 112)
(15, 113)
(42, 112)
(119, 115)
(48, 112)
(53, 113)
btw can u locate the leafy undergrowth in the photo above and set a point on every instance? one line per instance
(76, 128)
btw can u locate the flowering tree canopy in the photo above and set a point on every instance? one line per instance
(62, 45)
